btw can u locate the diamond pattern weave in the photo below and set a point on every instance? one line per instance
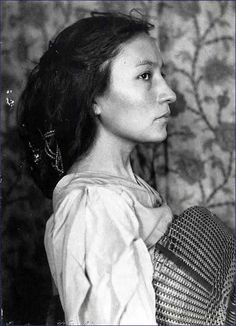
(194, 271)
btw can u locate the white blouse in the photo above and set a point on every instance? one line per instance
(98, 243)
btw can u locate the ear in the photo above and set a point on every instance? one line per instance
(96, 108)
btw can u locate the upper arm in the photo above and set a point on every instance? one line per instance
(117, 261)
(111, 222)
(98, 252)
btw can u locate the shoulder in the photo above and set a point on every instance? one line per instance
(96, 213)
(82, 202)
(71, 190)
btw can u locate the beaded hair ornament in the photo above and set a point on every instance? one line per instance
(51, 148)
(53, 153)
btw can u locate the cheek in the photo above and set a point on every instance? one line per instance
(128, 110)
(124, 104)
(133, 101)
(122, 116)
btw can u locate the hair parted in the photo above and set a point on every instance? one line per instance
(55, 112)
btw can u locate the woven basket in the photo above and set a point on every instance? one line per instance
(194, 271)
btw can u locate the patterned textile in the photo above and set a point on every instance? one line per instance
(194, 269)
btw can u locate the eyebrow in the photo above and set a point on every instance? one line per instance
(150, 63)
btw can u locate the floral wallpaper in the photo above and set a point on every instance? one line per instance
(195, 165)
(199, 48)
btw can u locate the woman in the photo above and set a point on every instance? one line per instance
(96, 93)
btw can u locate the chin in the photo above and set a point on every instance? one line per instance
(160, 140)
(160, 137)
(155, 138)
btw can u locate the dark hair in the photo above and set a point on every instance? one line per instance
(55, 111)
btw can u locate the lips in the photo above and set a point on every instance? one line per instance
(164, 115)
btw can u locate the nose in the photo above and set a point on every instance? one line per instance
(167, 95)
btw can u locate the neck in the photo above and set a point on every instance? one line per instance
(109, 154)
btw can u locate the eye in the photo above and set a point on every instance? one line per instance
(145, 76)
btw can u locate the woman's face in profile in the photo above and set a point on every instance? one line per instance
(135, 107)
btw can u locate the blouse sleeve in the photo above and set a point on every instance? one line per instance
(102, 268)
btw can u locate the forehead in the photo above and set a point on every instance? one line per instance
(141, 49)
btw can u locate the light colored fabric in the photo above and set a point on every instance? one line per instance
(95, 243)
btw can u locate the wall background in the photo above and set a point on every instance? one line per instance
(194, 166)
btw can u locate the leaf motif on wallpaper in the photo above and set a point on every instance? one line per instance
(186, 197)
(216, 71)
(185, 133)
(165, 38)
(179, 105)
(207, 145)
(223, 99)
(225, 136)
(170, 70)
(189, 90)
(223, 6)
(208, 99)
(227, 191)
(186, 9)
(223, 23)
(190, 167)
(216, 163)
(226, 40)
(178, 33)
(185, 56)
(33, 13)
(226, 44)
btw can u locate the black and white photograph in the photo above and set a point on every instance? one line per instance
(118, 162)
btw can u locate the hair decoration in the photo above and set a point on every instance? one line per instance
(54, 155)
(80, 67)
(36, 153)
